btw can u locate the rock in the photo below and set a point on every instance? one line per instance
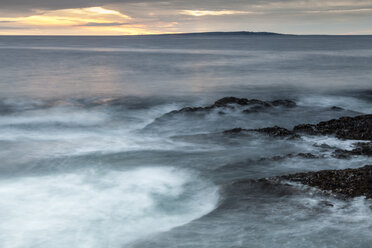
(291, 155)
(285, 103)
(307, 155)
(270, 131)
(306, 128)
(358, 128)
(361, 148)
(341, 154)
(327, 203)
(276, 132)
(335, 108)
(224, 102)
(231, 102)
(235, 130)
(348, 182)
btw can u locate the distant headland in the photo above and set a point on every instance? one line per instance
(224, 33)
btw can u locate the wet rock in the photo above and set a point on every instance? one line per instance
(224, 102)
(361, 148)
(235, 131)
(270, 131)
(276, 132)
(358, 128)
(291, 155)
(327, 203)
(285, 103)
(341, 154)
(306, 128)
(307, 155)
(335, 108)
(231, 102)
(348, 182)
(324, 146)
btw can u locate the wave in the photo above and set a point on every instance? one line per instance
(99, 208)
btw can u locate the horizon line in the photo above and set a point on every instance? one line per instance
(258, 33)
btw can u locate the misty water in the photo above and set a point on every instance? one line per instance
(90, 159)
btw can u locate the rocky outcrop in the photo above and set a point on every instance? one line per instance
(358, 128)
(270, 131)
(247, 105)
(276, 132)
(361, 148)
(348, 182)
(291, 155)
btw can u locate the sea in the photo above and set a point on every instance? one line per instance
(89, 157)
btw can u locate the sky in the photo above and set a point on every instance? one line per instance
(134, 17)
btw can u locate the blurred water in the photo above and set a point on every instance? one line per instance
(88, 158)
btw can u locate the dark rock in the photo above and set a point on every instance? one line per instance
(335, 108)
(270, 131)
(224, 102)
(361, 148)
(341, 154)
(291, 155)
(231, 102)
(324, 146)
(348, 182)
(285, 103)
(306, 128)
(235, 130)
(327, 204)
(307, 155)
(358, 128)
(276, 131)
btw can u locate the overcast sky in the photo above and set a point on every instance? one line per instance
(120, 17)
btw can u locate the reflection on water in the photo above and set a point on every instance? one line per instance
(66, 66)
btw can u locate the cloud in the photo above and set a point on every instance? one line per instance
(68, 17)
(107, 24)
(165, 16)
(60, 4)
(92, 20)
(12, 28)
(212, 12)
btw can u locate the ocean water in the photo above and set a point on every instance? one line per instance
(89, 158)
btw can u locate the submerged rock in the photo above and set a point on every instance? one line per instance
(348, 182)
(358, 128)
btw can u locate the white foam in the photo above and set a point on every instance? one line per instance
(56, 115)
(98, 208)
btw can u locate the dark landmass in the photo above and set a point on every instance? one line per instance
(348, 182)
(225, 34)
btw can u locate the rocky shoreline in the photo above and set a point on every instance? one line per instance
(347, 182)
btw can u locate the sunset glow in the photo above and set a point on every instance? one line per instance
(111, 17)
(85, 20)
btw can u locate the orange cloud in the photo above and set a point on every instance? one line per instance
(73, 20)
